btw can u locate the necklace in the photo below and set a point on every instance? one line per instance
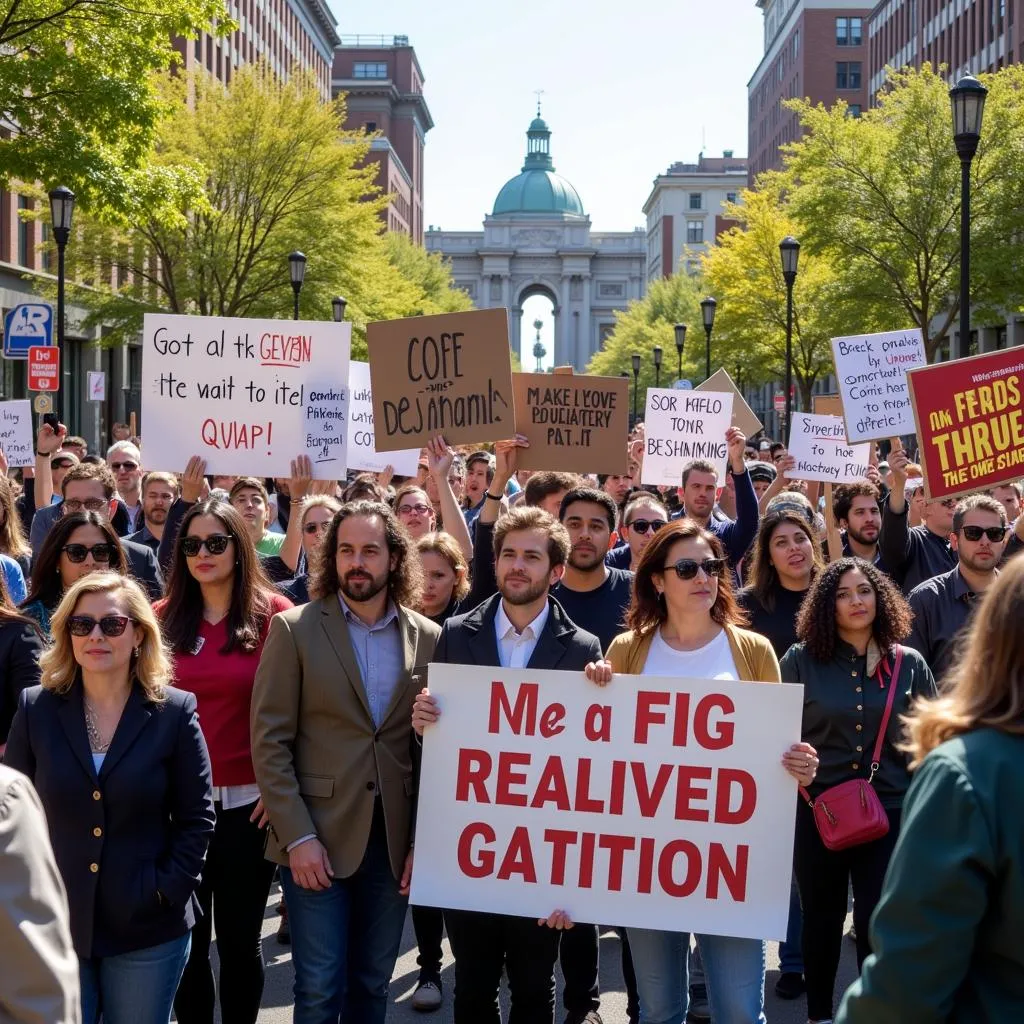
(97, 743)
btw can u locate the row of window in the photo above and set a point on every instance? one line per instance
(848, 74)
(370, 69)
(849, 31)
(696, 199)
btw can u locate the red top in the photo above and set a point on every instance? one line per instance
(223, 685)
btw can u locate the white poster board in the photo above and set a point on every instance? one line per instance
(97, 383)
(17, 438)
(681, 426)
(872, 373)
(362, 453)
(654, 803)
(818, 443)
(247, 395)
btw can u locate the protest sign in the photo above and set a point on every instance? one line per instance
(970, 425)
(449, 374)
(362, 452)
(872, 373)
(684, 425)
(742, 415)
(17, 438)
(577, 424)
(248, 395)
(656, 803)
(827, 405)
(818, 443)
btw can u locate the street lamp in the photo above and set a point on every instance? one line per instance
(297, 267)
(707, 311)
(789, 248)
(968, 101)
(339, 303)
(657, 366)
(635, 359)
(62, 206)
(680, 342)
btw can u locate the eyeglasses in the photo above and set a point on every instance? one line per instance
(90, 505)
(994, 533)
(128, 467)
(110, 625)
(686, 568)
(312, 528)
(100, 552)
(215, 544)
(408, 510)
(643, 525)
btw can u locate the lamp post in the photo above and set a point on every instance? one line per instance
(297, 267)
(707, 311)
(635, 359)
(62, 206)
(338, 303)
(657, 366)
(968, 101)
(789, 248)
(539, 351)
(680, 342)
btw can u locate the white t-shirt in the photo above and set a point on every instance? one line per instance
(712, 661)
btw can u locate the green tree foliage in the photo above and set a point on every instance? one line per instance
(430, 272)
(78, 80)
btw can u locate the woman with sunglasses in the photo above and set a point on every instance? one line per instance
(77, 544)
(215, 619)
(850, 627)
(313, 521)
(122, 771)
(684, 622)
(642, 516)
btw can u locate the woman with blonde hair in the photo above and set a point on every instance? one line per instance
(313, 519)
(122, 770)
(947, 931)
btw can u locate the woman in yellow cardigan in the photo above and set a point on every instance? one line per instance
(684, 622)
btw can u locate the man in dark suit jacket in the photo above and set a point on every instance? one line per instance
(521, 627)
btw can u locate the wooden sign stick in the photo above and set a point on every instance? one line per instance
(834, 538)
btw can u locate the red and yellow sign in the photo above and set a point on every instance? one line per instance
(970, 422)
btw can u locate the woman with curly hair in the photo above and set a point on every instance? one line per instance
(850, 627)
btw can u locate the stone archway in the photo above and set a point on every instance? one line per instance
(522, 334)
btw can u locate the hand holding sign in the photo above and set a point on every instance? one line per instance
(193, 480)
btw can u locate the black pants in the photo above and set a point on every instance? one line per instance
(579, 954)
(483, 944)
(428, 924)
(235, 886)
(629, 978)
(824, 877)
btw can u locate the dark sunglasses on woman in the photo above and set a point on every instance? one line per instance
(110, 625)
(686, 568)
(215, 544)
(312, 528)
(643, 525)
(100, 552)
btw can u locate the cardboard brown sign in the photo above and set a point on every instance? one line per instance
(574, 424)
(826, 405)
(742, 415)
(448, 374)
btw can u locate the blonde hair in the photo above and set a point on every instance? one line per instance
(985, 686)
(447, 547)
(318, 501)
(151, 668)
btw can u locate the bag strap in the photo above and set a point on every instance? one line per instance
(893, 677)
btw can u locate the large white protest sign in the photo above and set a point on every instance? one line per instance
(683, 425)
(247, 395)
(872, 373)
(362, 452)
(17, 439)
(818, 443)
(654, 803)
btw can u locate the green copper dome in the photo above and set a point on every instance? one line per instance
(538, 189)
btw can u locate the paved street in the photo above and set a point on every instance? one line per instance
(277, 997)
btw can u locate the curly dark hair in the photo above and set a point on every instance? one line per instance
(405, 581)
(816, 623)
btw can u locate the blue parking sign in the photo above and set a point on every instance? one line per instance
(28, 324)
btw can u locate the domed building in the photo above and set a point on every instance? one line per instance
(537, 240)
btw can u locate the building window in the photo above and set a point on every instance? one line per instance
(696, 200)
(849, 31)
(24, 235)
(730, 197)
(848, 74)
(853, 110)
(365, 69)
(796, 44)
(694, 232)
(371, 126)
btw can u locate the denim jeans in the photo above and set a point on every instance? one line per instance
(345, 939)
(734, 975)
(791, 952)
(133, 988)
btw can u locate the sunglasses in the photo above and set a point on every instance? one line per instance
(128, 467)
(90, 505)
(994, 533)
(312, 528)
(100, 552)
(643, 525)
(215, 544)
(408, 510)
(686, 568)
(110, 625)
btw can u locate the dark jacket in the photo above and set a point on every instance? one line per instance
(20, 647)
(130, 842)
(912, 554)
(145, 538)
(470, 640)
(947, 931)
(736, 535)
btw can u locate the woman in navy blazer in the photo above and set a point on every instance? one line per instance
(122, 769)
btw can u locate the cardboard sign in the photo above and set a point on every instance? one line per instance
(970, 425)
(17, 438)
(872, 373)
(681, 426)
(827, 405)
(362, 451)
(247, 395)
(577, 424)
(818, 443)
(449, 374)
(742, 415)
(655, 803)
